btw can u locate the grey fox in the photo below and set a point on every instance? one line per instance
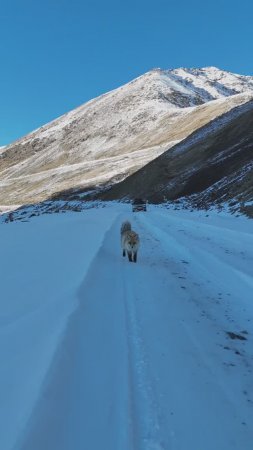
(130, 242)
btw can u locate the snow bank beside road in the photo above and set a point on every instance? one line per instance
(42, 264)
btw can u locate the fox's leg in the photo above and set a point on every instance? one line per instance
(129, 256)
(124, 252)
(135, 257)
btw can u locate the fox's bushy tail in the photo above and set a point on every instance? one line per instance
(126, 226)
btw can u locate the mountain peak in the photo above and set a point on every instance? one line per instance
(213, 68)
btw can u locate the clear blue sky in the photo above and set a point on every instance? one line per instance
(57, 54)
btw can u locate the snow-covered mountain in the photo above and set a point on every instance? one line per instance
(212, 83)
(114, 135)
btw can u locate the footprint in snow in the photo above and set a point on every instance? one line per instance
(236, 336)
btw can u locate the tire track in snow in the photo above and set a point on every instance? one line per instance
(146, 421)
(154, 431)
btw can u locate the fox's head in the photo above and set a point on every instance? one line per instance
(133, 241)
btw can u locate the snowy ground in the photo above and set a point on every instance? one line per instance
(99, 353)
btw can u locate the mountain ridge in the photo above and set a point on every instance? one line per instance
(112, 136)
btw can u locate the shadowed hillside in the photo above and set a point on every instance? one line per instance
(214, 164)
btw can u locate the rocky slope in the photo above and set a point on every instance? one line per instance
(114, 135)
(212, 166)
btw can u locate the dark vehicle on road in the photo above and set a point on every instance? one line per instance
(139, 204)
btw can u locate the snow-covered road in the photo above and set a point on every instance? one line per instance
(131, 356)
